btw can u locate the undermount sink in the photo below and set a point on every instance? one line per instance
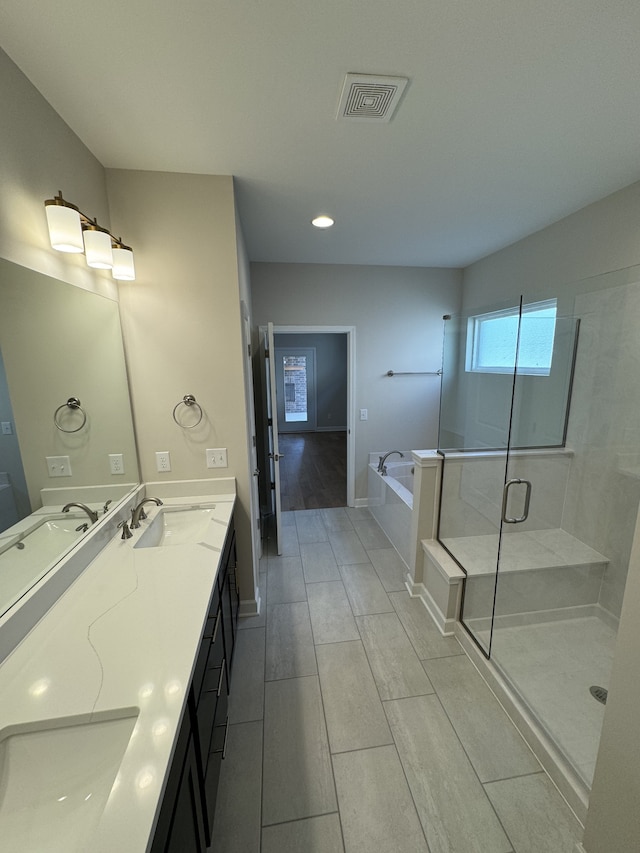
(177, 526)
(56, 777)
(44, 540)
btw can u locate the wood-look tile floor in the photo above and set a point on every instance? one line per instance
(355, 727)
(313, 470)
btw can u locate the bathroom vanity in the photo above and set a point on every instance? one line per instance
(113, 718)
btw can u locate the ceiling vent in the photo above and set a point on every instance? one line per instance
(368, 97)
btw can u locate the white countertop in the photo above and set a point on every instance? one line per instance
(124, 635)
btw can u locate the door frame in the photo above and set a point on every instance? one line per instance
(350, 332)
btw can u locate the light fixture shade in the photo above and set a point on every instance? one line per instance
(65, 231)
(123, 268)
(97, 248)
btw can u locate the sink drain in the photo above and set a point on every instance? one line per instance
(599, 693)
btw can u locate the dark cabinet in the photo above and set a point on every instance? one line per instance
(180, 827)
(185, 821)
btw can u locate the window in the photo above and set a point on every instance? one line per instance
(295, 388)
(492, 340)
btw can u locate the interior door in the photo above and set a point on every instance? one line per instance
(272, 428)
(296, 389)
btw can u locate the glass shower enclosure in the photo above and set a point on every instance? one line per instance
(532, 582)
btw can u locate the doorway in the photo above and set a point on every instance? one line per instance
(311, 399)
(311, 455)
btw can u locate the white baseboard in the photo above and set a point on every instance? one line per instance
(579, 848)
(361, 502)
(249, 607)
(419, 590)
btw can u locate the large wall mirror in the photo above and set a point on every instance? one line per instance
(57, 342)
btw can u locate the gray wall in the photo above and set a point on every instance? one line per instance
(397, 313)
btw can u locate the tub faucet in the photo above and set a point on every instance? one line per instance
(382, 468)
(138, 513)
(90, 512)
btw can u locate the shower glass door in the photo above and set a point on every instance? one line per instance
(475, 417)
(545, 575)
(506, 385)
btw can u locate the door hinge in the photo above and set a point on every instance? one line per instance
(249, 350)
(270, 422)
(273, 486)
(266, 353)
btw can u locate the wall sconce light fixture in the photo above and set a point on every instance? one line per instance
(70, 230)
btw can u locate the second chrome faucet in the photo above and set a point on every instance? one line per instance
(138, 513)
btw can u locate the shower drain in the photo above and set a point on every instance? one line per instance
(599, 693)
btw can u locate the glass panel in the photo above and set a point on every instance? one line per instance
(295, 388)
(548, 641)
(475, 413)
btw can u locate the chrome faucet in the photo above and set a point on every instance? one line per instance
(138, 513)
(382, 468)
(93, 515)
(126, 533)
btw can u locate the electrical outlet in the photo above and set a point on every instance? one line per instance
(59, 466)
(116, 463)
(364, 414)
(217, 457)
(163, 461)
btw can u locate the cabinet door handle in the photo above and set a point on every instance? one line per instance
(217, 690)
(221, 679)
(216, 626)
(224, 742)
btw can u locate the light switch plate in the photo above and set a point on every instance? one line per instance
(217, 457)
(7, 428)
(59, 466)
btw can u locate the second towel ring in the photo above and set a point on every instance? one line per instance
(74, 404)
(188, 400)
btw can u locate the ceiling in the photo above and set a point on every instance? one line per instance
(518, 112)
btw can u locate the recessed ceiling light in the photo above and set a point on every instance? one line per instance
(322, 222)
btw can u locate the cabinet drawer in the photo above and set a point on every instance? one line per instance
(228, 556)
(209, 627)
(212, 776)
(210, 647)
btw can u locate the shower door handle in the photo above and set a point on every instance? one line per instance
(505, 497)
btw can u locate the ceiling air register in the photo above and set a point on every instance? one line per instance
(369, 97)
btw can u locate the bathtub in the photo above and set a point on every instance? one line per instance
(390, 500)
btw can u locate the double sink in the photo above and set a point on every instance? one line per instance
(56, 776)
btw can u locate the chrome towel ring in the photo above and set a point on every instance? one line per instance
(188, 400)
(74, 404)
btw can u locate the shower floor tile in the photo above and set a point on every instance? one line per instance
(553, 665)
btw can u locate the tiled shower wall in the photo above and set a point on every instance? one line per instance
(603, 490)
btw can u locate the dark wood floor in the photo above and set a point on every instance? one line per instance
(313, 470)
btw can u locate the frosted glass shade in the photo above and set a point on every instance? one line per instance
(123, 268)
(65, 231)
(97, 248)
